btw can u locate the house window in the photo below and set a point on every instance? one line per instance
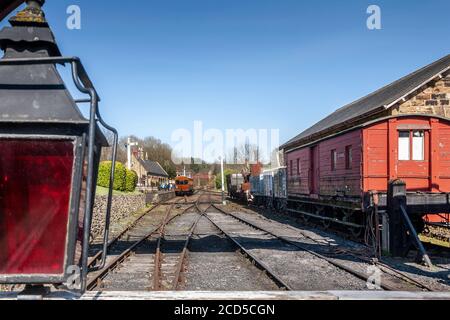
(298, 167)
(404, 146)
(411, 145)
(418, 145)
(333, 160)
(348, 157)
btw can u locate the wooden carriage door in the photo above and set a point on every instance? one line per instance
(413, 158)
(314, 176)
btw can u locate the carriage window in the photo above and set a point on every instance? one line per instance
(333, 160)
(298, 167)
(348, 157)
(403, 146)
(418, 146)
(291, 165)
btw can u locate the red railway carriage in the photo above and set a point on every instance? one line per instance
(401, 131)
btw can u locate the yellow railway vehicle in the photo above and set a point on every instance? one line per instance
(184, 186)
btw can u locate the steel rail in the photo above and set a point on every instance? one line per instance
(157, 264)
(365, 259)
(255, 260)
(158, 256)
(121, 234)
(93, 283)
(403, 276)
(341, 266)
(182, 259)
(130, 227)
(157, 268)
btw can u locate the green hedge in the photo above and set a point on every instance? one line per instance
(120, 175)
(226, 173)
(131, 181)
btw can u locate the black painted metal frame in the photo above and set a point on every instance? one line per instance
(77, 167)
(421, 202)
(84, 85)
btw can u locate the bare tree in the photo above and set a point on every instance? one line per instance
(245, 153)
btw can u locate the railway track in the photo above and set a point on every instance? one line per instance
(234, 257)
(387, 270)
(133, 247)
(150, 256)
(284, 263)
(392, 280)
(96, 253)
(153, 258)
(259, 263)
(146, 256)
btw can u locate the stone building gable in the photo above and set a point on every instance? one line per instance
(434, 99)
(137, 167)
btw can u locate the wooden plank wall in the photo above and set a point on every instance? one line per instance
(341, 178)
(330, 181)
(381, 162)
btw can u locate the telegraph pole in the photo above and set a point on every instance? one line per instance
(223, 180)
(129, 145)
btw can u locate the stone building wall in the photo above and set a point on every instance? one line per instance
(434, 100)
(145, 180)
(139, 169)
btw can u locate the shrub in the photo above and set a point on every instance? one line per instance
(226, 173)
(131, 181)
(120, 175)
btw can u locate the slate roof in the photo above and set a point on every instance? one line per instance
(153, 168)
(377, 101)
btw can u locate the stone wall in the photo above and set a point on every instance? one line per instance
(123, 206)
(162, 196)
(433, 100)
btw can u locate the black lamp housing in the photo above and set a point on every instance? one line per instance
(49, 158)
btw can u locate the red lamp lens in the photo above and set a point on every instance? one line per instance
(35, 186)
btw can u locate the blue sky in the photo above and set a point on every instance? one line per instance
(282, 64)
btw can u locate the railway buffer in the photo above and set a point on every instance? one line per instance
(48, 161)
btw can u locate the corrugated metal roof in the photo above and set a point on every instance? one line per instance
(153, 168)
(379, 99)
